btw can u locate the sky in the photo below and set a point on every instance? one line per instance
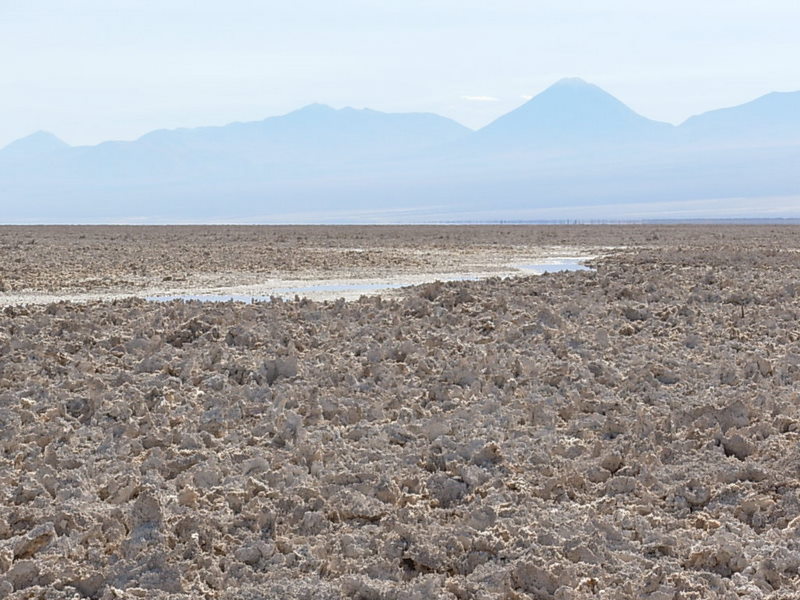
(94, 70)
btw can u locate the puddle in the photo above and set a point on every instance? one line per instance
(330, 291)
(349, 289)
(346, 288)
(554, 267)
(354, 290)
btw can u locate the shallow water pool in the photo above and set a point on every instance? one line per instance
(554, 267)
(282, 292)
(354, 289)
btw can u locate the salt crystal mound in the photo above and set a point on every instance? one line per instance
(630, 432)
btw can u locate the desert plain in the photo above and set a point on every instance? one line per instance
(628, 431)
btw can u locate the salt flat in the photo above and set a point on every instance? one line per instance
(629, 431)
(80, 264)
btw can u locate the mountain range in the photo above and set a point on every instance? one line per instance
(573, 151)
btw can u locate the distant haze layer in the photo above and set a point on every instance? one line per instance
(93, 70)
(571, 152)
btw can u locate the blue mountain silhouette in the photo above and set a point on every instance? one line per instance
(571, 112)
(571, 146)
(768, 120)
(35, 145)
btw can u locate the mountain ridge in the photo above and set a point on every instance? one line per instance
(565, 84)
(571, 145)
(769, 118)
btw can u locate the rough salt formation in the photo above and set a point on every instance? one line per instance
(128, 259)
(631, 432)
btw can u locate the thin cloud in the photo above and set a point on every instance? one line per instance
(526, 97)
(481, 98)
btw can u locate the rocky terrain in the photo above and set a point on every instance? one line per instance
(127, 259)
(115, 259)
(627, 432)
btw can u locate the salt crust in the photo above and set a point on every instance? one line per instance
(625, 433)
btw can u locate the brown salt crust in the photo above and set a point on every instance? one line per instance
(629, 432)
(125, 259)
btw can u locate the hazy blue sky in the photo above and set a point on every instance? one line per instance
(91, 70)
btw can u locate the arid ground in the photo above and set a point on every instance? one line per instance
(632, 431)
(120, 259)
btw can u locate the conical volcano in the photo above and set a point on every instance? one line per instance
(571, 112)
(35, 144)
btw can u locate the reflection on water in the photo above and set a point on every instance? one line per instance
(566, 264)
(554, 267)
